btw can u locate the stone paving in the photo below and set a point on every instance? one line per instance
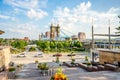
(95, 76)
(30, 72)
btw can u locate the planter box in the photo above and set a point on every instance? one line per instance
(45, 72)
(11, 75)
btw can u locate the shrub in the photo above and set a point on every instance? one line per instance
(43, 66)
(36, 61)
(86, 58)
(11, 69)
(32, 49)
(57, 60)
(73, 61)
(19, 65)
(81, 49)
(89, 63)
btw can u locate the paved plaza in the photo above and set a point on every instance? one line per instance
(30, 71)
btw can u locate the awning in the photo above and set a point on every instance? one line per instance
(1, 32)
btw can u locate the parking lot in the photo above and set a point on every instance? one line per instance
(30, 57)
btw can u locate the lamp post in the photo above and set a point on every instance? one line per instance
(71, 45)
(109, 34)
(92, 42)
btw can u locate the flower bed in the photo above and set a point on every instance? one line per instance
(59, 76)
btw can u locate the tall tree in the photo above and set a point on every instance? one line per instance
(78, 44)
(1, 40)
(52, 45)
(19, 44)
(118, 28)
(43, 45)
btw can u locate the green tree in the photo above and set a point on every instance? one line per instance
(66, 44)
(32, 49)
(19, 44)
(52, 44)
(77, 44)
(59, 45)
(43, 45)
(118, 28)
(1, 40)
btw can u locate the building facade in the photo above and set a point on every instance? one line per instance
(81, 36)
(47, 34)
(54, 31)
(74, 37)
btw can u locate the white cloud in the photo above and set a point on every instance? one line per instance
(26, 4)
(27, 29)
(19, 11)
(23, 28)
(30, 7)
(36, 14)
(20, 30)
(79, 18)
(6, 17)
(82, 7)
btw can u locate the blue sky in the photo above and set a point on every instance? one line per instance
(21, 18)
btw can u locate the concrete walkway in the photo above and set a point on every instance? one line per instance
(103, 75)
(30, 72)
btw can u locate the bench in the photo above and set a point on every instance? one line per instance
(94, 68)
(101, 67)
(88, 68)
(110, 67)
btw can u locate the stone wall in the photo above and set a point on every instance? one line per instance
(7, 58)
(3, 76)
(109, 56)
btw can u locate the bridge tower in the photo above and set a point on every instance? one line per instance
(54, 31)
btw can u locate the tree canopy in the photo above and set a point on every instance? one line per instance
(59, 45)
(118, 28)
(19, 44)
